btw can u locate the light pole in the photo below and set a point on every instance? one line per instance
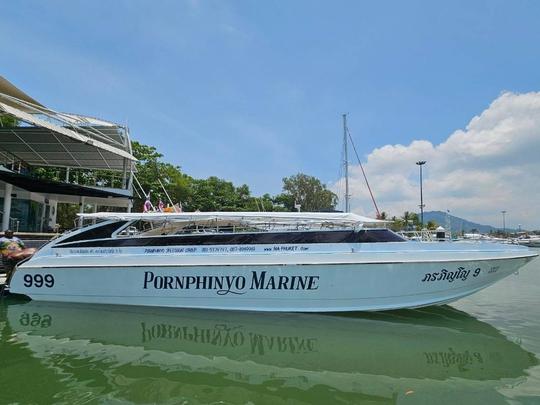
(448, 224)
(420, 164)
(503, 212)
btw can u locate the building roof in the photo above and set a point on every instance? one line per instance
(39, 146)
(10, 90)
(48, 138)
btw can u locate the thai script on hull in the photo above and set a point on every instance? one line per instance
(445, 275)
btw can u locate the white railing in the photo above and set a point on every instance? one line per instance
(13, 222)
(425, 235)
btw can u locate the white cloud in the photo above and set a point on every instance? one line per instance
(491, 165)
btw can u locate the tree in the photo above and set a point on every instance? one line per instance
(66, 215)
(431, 225)
(8, 121)
(415, 220)
(307, 191)
(397, 223)
(410, 221)
(215, 194)
(150, 171)
(406, 220)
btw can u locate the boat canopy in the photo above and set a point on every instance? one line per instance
(252, 218)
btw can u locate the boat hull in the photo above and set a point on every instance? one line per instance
(293, 286)
(533, 243)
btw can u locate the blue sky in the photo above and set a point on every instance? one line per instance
(253, 91)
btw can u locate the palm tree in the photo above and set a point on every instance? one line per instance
(397, 223)
(407, 217)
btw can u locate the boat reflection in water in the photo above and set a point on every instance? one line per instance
(169, 355)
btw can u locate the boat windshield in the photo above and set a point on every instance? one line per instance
(153, 228)
(134, 229)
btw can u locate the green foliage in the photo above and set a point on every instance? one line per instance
(396, 224)
(214, 194)
(8, 121)
(150, 170)
(48, 173)
(268, 203)
(431, 225)
(409, 221)
(307, 191)
(66, 215)
(83, 177)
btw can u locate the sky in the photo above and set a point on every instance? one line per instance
(253, 91)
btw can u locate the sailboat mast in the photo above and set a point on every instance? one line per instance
(346, 163)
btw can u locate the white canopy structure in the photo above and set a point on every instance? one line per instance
(253, 218)
(43, 137)
(9, 89)
(50, 138)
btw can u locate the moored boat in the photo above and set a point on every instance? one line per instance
(307, 262)
(529, 241)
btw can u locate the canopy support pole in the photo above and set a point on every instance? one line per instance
(124, 175)
(81, 210)
(94, 210)
(7, 206)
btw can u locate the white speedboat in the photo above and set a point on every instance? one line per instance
(529, 241)
(258, 261)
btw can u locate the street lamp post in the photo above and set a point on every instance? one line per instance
(504, 221)
(420, 164)
(448, 224)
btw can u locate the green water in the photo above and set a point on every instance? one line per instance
(482, 350)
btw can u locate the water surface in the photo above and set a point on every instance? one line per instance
(482, 349)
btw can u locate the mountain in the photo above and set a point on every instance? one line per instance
(457, 224)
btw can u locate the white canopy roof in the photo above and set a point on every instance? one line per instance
(277, 218)
(9, 89)
(50, 138)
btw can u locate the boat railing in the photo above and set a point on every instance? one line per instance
(141, 227)
(424, 235)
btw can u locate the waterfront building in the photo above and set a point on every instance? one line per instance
(91, 157)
